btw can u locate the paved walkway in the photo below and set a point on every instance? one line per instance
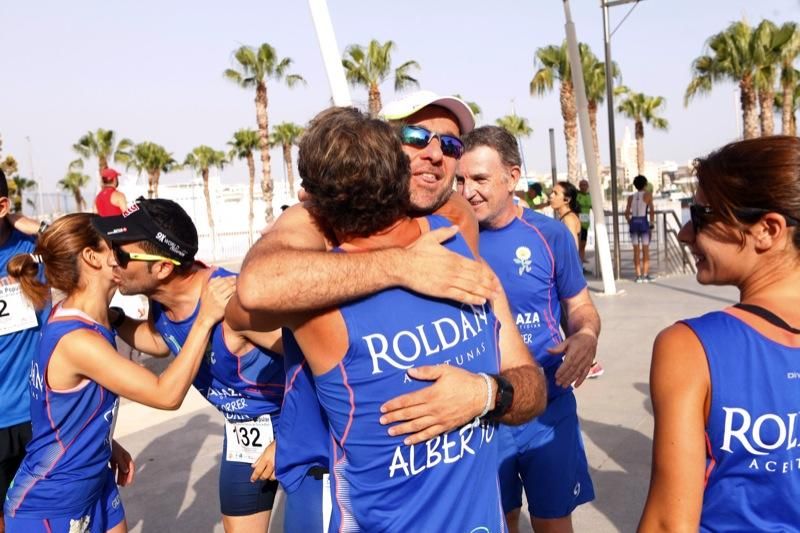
(177, 453)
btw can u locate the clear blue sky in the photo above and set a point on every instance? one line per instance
(152, 70)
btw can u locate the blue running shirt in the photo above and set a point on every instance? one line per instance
(302, 439)
(17, 348)
(65, 468)
(241, 388)
(536, 260)
(379, 484)
(752, 434)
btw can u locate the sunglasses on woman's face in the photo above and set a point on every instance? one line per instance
(701, 215)
(123, 258)
(420, 137)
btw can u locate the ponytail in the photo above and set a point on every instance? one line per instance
(25, 269)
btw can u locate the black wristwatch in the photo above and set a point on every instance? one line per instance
(120, 317)
(503, 398)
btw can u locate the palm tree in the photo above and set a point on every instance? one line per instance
(518, 127)
(642, 109)
(286, 135)
(16, 188)
(73, 182)
(102, 144)
(735, 53)
(371, 66)
(552, 64)
(201, 159)
(594, 77)
(243, 144)
(769, 43)
(153, 159)
(254, 67)
(789, 78)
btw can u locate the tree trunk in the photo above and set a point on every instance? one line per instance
(287, 158)
(786, 109)
(374, 100)
(639, 129)
(79, 203)
(749, 113)
(766, 100)
(251, 168)
(263, 145)
(207, 194)
(793, 128)
(570, 115)
(595, 142)
(152, 183)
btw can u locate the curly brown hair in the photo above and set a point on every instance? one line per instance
(355, 171)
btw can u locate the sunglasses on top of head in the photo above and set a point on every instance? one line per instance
(420, 137)
(123, 258)
(701, 215)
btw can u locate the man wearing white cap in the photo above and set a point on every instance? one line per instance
(109, 201)
(276, 278)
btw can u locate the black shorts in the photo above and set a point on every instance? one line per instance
(584, 234)
(12, 449)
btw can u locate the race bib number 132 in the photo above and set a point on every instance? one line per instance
(248, 440)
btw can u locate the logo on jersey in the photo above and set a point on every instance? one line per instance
(36, 380)
(401, 349)
(523, 259)
(767, 435)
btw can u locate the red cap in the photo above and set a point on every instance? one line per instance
(109, 174)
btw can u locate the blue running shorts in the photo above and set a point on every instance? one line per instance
(238, 496)
(546, 457)
(105, 513)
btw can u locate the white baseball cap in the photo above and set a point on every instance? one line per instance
(407, 106)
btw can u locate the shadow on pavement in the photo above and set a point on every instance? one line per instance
(621, 481)
(169, 494)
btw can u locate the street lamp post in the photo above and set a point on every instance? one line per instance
(612, 141)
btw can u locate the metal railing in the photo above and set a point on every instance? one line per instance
(668, 254)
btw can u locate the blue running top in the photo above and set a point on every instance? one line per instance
(241, 388)
(536, 260)
(66, 463)
(302, 439)
(379, 484)
(17, 348)
(752, 434)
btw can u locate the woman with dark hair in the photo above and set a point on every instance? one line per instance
(724, 385)
(65, 483)
(564, 201)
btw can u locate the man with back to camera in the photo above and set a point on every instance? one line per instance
(357, 179)
(109, 201)
(275, 280)
(534, 257)
(154, 243)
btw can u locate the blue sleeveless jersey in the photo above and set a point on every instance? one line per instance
(241, 388)
(18, 348)
(302, 439)
(66, 463)
(537, 262)
(379, 484)
(752, 435)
